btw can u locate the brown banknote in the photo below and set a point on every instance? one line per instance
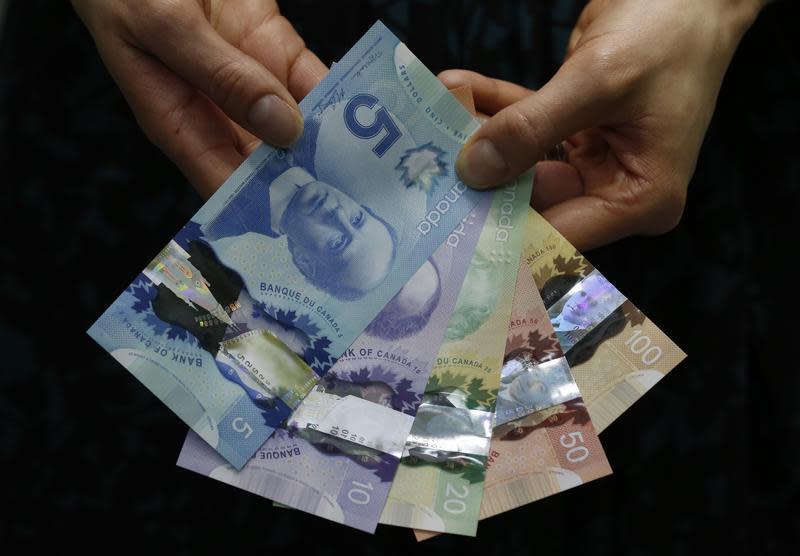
(621, 357)
(550, 450)
(553, 448)
(614, 364)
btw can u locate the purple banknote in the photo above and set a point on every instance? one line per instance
(338, 455)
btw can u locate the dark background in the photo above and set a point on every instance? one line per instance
(708, 460)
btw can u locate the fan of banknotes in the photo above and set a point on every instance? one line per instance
(350, 331)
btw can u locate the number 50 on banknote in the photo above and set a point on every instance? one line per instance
(235, 320)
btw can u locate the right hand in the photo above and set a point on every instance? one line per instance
(206, 79)
(630, 106)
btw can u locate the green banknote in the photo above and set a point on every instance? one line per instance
(615, 354)
(439, 484)
(622, 356)
(543, 441)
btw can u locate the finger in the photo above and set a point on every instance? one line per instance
(574, 39)
(463, 94)
(243, 88)
(588, 222)
(280, 49)
(185, 124)
(554, 183)
(490, 95)
(522, 134)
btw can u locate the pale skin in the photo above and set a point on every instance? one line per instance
(630, 104)
(195, 72)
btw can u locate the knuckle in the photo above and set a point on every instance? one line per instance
(613, 72)
(165, 10)
(530, 126)
(156, 20)
(227, 82)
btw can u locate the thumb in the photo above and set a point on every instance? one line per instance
(523, 133)
(244, 89)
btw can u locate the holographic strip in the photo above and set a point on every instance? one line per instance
(585, 305)
(527, 386)
(444, 433)
(354, 419)
(272, 364)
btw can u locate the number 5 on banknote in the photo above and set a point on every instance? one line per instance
(236, 319)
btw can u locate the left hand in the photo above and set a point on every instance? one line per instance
(631, 104)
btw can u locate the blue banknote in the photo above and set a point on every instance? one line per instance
(339, 452)
(241, 313)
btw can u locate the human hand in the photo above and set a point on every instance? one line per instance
(631, 103)
(206, 79)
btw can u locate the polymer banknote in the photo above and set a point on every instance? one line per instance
(553, 446)
(615, 352)
(545, 442)
(339, 453)
(237, 318)
(624, 354)
(439, 484)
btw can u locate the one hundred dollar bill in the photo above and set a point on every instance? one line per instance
(339, 454)
(615, 352)
(236, 319)
(624, 355)
(543, 441)
(439, 484)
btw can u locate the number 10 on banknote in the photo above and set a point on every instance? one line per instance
(241, 313)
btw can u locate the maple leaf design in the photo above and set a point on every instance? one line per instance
(286, 316)
(545, 347)
(170, 331)
(291, 430)
(473, 474)
(447, 379)
(317, 355)
(159, 326)
(304, 323)
(478, 394)
(385, 468)
(575, 265)
(577, 412)
(514, 342)
(144, 292)
(543, 275)
(422, 166)
(405, 399)
(632, 314)
(176, 333)
(383, 375)
(360, 376)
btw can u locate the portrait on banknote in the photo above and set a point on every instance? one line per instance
(557, 288)
(410, 310)
(197, 293)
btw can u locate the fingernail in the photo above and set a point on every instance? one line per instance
(274, 121)
(481, 165)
